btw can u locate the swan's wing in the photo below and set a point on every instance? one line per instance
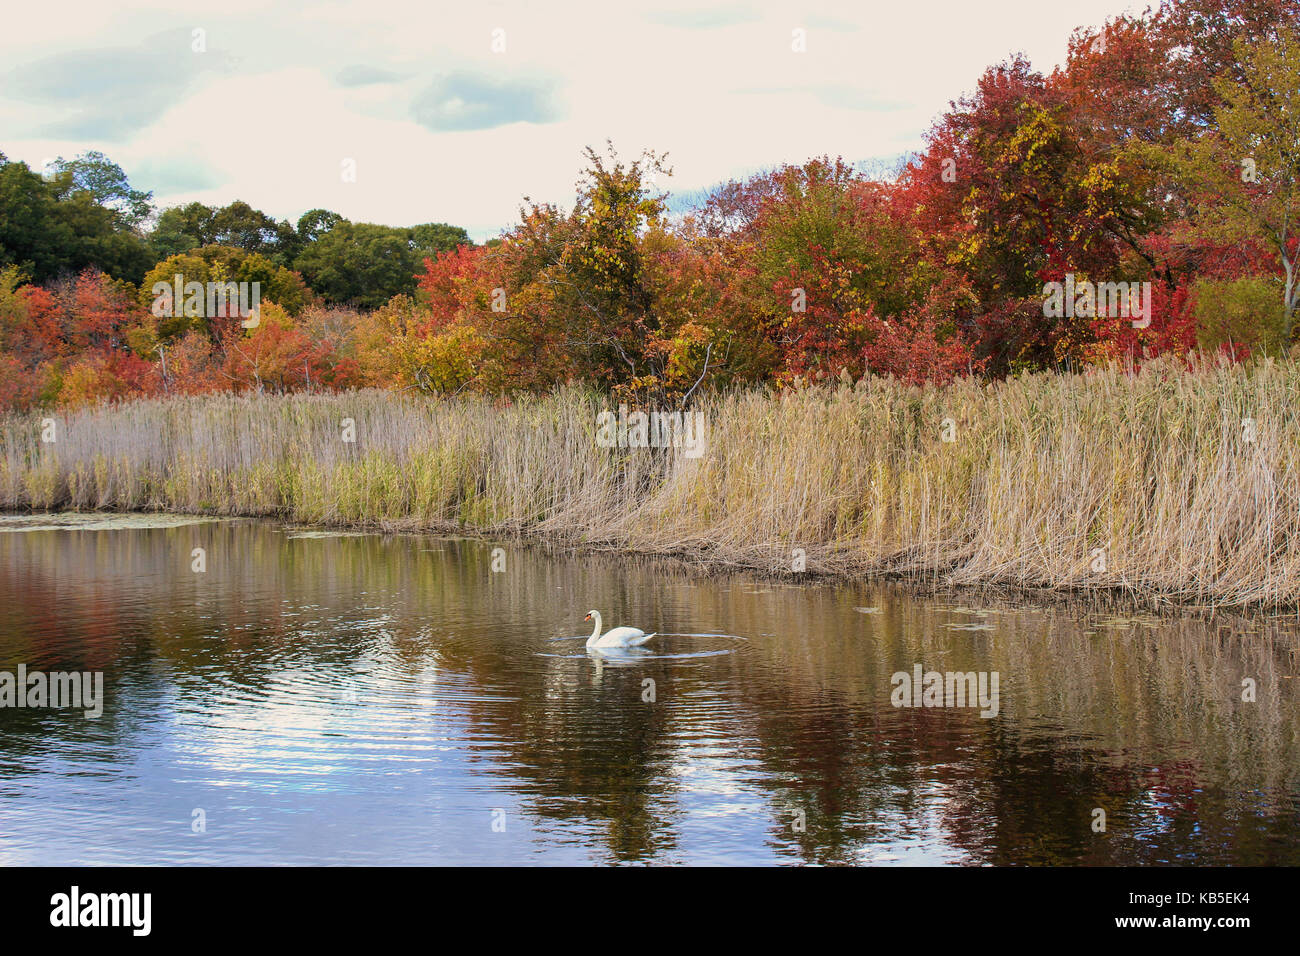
(622, 635)
(637, 641)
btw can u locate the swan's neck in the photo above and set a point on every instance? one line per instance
(596, 632)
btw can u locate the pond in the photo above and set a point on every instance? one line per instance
(292, 696)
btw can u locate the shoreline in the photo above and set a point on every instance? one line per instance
(696, 564)
(1171, 486)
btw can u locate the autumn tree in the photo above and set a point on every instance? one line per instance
(1247, 169)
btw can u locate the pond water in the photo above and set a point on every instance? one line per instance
(311, 697)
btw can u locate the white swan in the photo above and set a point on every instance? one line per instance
(616, 636)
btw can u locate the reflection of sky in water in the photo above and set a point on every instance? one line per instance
(372, 699)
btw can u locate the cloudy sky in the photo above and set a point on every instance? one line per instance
(273, 103)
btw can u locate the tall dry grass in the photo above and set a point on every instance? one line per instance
(1154, 468)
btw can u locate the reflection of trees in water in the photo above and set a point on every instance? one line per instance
(1097, 710)
(572, 733)
(69, 606)
(579, 746)
(1131, 719)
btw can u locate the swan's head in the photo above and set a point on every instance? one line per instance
(591, 614)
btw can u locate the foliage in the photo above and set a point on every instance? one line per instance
(1164, 152)
(364, 264)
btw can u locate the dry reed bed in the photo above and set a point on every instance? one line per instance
(1153, 467)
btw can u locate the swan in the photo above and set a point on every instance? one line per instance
(616, 636)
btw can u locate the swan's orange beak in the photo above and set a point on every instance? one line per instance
(587, 618)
